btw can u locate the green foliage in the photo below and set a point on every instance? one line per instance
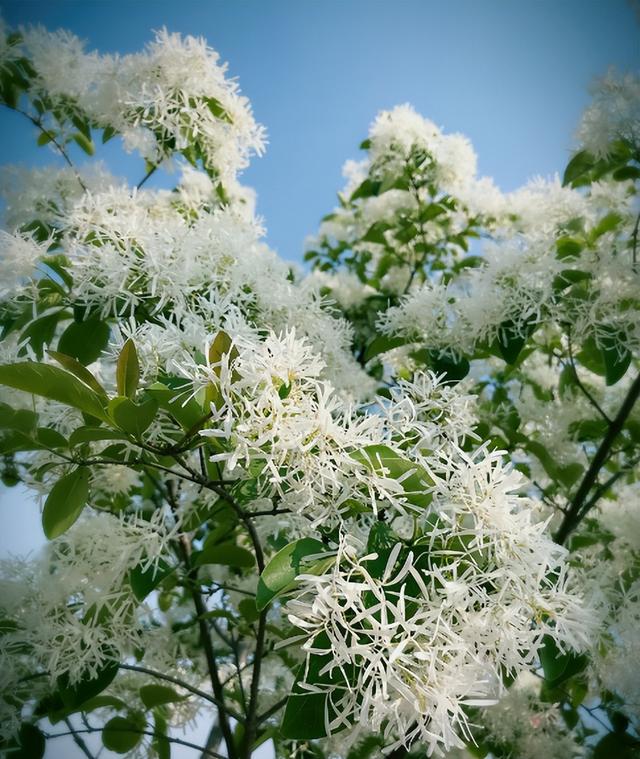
(65, 502)
(280, 573)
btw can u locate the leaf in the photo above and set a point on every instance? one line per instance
(30, 743)
(226, 554)
(40, 332)
(559, 667)
(175, 400)
(83, 142)
(134, 418)
(87, 687)
(568, 247)
(85, 341)
(80, 371)
(91, 434)
(156, 695)
(121, 734)
(511, 339)
(56, 384)
(285, 566)
(615, 355)
(128, 370)
(581, 163)
(382, 344)
(247, 607)
(143, 581)
(385, 462)
(65, 502)
(221, 345)
(606, 224)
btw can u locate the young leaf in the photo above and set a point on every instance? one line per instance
(65, 502)
(128, 370)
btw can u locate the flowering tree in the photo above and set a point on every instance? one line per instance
(387, 507)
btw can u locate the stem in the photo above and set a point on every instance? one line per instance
(205, 638)
(577, 510)
(78, 740)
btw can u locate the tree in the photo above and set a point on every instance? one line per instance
(392, 501)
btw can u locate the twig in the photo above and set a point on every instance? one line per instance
(576, 512)
(77, 739)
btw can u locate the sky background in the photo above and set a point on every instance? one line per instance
(513, 75)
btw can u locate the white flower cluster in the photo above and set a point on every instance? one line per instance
(74, 607)
(527, 727)
(614, 114)
(411, 646)
(173, 96)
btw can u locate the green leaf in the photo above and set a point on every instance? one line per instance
(616, 746)
(382, 344)
(280, 573)
(511, 339)
(286, 565)
(626, 172)
(65, 502)
(157, 695)
(128, 370)
(581, 163)
(108, 133)
(247, 607)
(590, 356)
(30, 743)
(615, 355)
(91, 434)
(143, 581)
(121, 734)
(131, 417)
(221, 345)
(385, 462)
(607, 224)
(174, 398)
(45, 137)
(87, 687)
(51, 382)
(40, 332)
(568, 247)
(80, 371)
(227, 554)
(559, 667)
(83, 142)
(85, 341)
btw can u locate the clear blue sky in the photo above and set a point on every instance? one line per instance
(511, 74)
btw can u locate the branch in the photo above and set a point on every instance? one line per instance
(181, 684)
(152, 733)
(205, 638)
(52, 139)
(578, 381)
(576, 511)
(78, 740)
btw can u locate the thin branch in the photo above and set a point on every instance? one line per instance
(149, 173)
(152, 733)
(181, 684)
(78, 740)
(38, 123)
(273, 710)
(578, 381)
(576, 512)
(205, 637)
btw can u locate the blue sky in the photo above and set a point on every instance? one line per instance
(511, 74)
